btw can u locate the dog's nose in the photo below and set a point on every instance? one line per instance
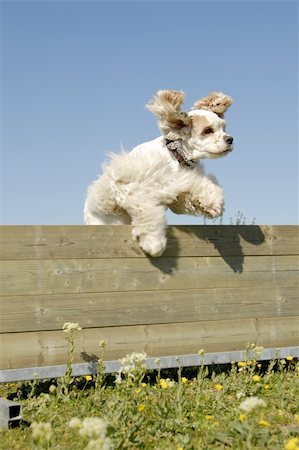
(229, 139)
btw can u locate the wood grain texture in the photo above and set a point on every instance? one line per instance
(77, 242)
(49, 348)
(50, 312)
(109, 275)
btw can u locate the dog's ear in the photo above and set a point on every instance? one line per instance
(216, 102)
(166, 105)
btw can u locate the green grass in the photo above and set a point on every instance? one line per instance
(195, 408)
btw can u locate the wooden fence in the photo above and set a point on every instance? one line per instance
(216, 288)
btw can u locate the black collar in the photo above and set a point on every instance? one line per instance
(175, 147)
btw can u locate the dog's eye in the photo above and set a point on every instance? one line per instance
(208, 130)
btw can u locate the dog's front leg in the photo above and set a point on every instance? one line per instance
(149, 227)
(205, 197)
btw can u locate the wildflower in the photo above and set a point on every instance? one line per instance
(140, 407)
(163, 383)
(88, 377)
(218, 387)
(75, 422)
(143, 385)
(264, 423)
(133, 365)
(290, 358)
(52, 389)
(292, 444)
(70, 327)
(256, 378)
(242, 364)
(41, 432)
(251, 403)
(209, 417)
(259, 366)
(93, 427)
(242, 417)
(184, 380)
(267, 386)
(166, 383)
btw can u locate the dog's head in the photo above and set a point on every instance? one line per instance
(202, 130)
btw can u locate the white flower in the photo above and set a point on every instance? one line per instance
(99, 444)
(133, 365)
(41, 431)
(75, 422)
(251, 403)
(70, 327)
(93, 427)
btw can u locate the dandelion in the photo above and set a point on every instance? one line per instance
(242, 364)
(267, 386)
(242, 417)
(218, 387)
(163, 383)
(250, 403)
(184, 380)
(140, 407)
(88, 377)
(292, 444)
(209, 417)
(264, 423)
(290, 358)
(256, 378)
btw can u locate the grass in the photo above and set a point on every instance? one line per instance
(194, 408)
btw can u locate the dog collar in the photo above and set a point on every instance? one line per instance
(175, 147)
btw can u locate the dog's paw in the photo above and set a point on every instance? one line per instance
(212, 211)
(151, 245)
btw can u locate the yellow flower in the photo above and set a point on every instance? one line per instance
(289, 358)
(137, 391)
(242, 417)
(242, 364)
(264, 423)
(143, 384)
(140, 407)
(163, 383)
(184, 380)
(88, 377)
(259, 366)
(209, 417)
(292, 444)
(218, 387)
(256, 378)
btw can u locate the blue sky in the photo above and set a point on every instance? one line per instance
(75, 76)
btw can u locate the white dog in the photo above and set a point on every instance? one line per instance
(139, 186)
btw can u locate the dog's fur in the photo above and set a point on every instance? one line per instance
(139, 186)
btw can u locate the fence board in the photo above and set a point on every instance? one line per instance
(50, 312)
(49, 348)
(216, 287)
(81, 242)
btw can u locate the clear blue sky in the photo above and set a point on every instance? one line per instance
(76, 76)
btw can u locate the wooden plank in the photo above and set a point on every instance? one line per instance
(50, 312)
(69, 242)
(109, 275)
(49, 348)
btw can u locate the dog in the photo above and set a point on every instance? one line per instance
(137, 187)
